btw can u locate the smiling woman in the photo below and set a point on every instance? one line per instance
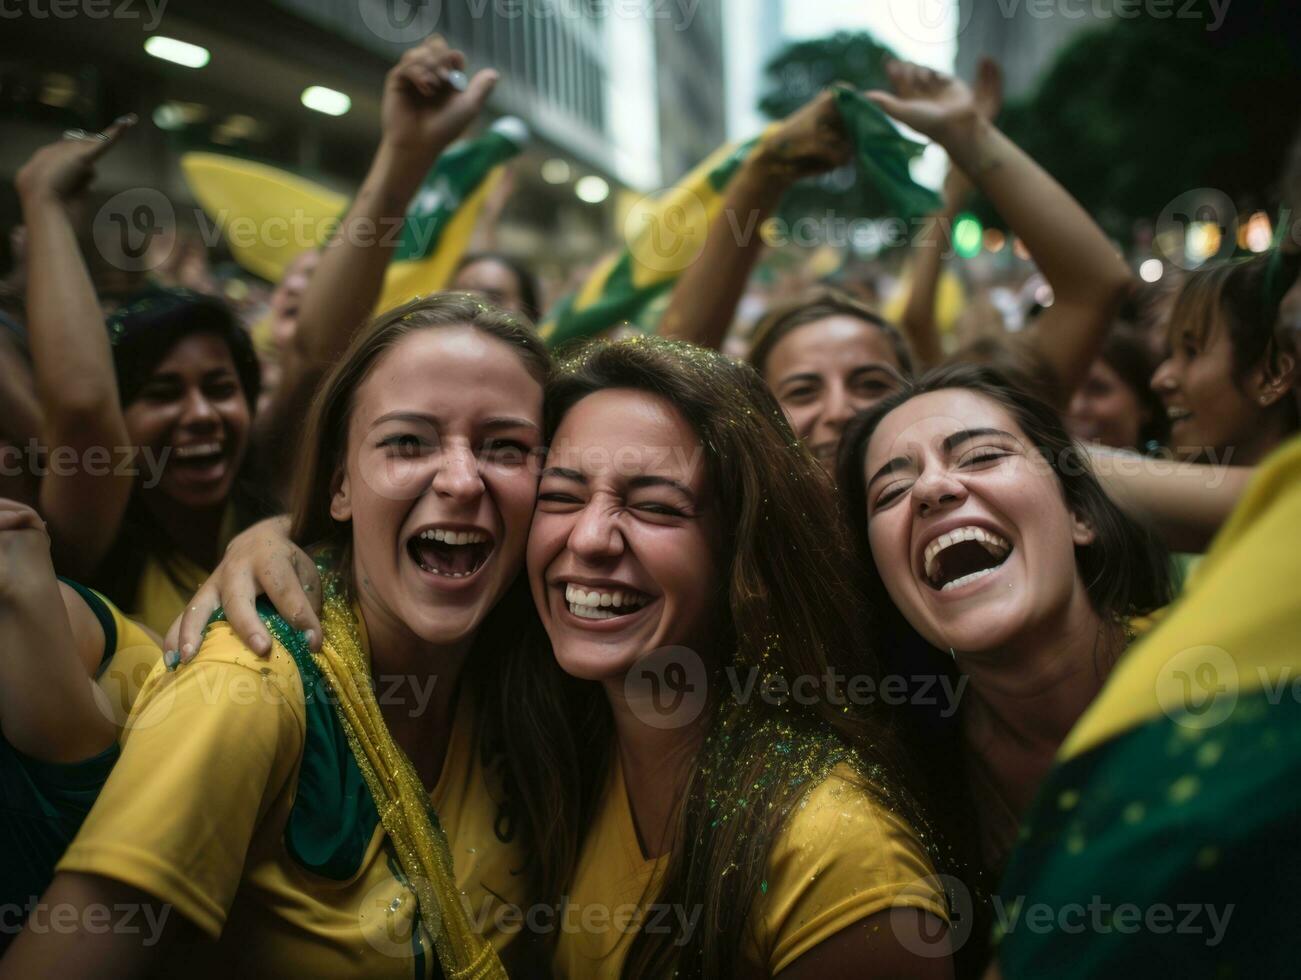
(989, 536)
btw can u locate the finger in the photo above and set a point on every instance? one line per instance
(481, 86)
(193, 622)
(113, 133)
(17, 520)
(241, 612)
(419, 76)
(285, 591)
(888, 103)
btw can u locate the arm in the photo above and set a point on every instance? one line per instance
(1186, 502)
(704, 300)
(75, 378)
(260, 560)
(105, 954)
(50, 645)
(898, 942)
(918, 321)
(422, 113)
(1088, 278)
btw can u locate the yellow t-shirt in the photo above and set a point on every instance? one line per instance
(160, 596)
(196, 811)
(841, 858)
(135, 654)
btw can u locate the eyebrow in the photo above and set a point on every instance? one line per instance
(875, 368)
(636, 483)
(491, 424)
(950, 443)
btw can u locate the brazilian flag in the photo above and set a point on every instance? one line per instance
(1164, 842)
(270, 215)
(664, 235)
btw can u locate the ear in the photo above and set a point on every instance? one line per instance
(341, 501)
(1082, 532)
(1274, 379)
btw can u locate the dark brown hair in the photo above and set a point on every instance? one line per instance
(818, 304)
(787, 604)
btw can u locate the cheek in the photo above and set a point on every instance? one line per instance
(235, 414)
(801, 417)
(547, 537)
(887, 537)
(516, 494)
(147, 424)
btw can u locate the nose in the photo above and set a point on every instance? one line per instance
(458, 477)
(198, 410)
(837, 408)
(1163, 378)
(936, 492)
(1079, 405)
(596, 535)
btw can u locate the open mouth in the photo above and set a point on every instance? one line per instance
(603, 603)
(962, 556)
(450, 553)
(1177, 414)
(198, 455)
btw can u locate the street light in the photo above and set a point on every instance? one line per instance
(326, 100)
(177, 52)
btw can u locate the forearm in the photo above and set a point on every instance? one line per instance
(1088, 278)
(1187, 503)
(705, 297)
(47, 705)
(71, 356)
(919, 324)
(342, 293)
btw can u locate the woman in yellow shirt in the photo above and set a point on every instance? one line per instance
(689, 565)
(346, 811)
(989, 536)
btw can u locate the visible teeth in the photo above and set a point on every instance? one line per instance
(597, 602)
(993, 543)
(965, 579)
(453, 537)
(202, 449)
(1175, 414)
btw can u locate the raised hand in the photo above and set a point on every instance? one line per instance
(932, 103)
(62, 170)
(810, 140)
(427, 102)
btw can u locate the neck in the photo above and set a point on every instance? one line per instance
(416, 686)
(196, 534)
(1033, 690)
(656, 764)
(1263, 440)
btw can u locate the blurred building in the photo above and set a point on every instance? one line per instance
(616, 92)
(692, 104)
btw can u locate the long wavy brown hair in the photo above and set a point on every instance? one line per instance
(510, 632)
(787, 604)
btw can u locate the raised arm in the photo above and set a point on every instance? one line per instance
(72, 361)
(423, 112)
(1088, 278)
(918, 319)
(704, 300)
(50, 644)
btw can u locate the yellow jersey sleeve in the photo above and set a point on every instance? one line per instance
(209, 755)
(841, 858)
(124, 674)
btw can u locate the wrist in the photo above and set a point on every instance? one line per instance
(401, 166)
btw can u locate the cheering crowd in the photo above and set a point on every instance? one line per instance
(419, 646)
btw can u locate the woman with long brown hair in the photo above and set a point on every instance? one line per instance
(737, 795)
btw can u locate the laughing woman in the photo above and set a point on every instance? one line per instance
(280, 806)
(688, 566)
(989, 536)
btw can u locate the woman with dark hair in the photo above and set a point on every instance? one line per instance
(1115, 405)
(826, 356)
(1229, 386)
(987, 534)
(501, 279)
(686, 544)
